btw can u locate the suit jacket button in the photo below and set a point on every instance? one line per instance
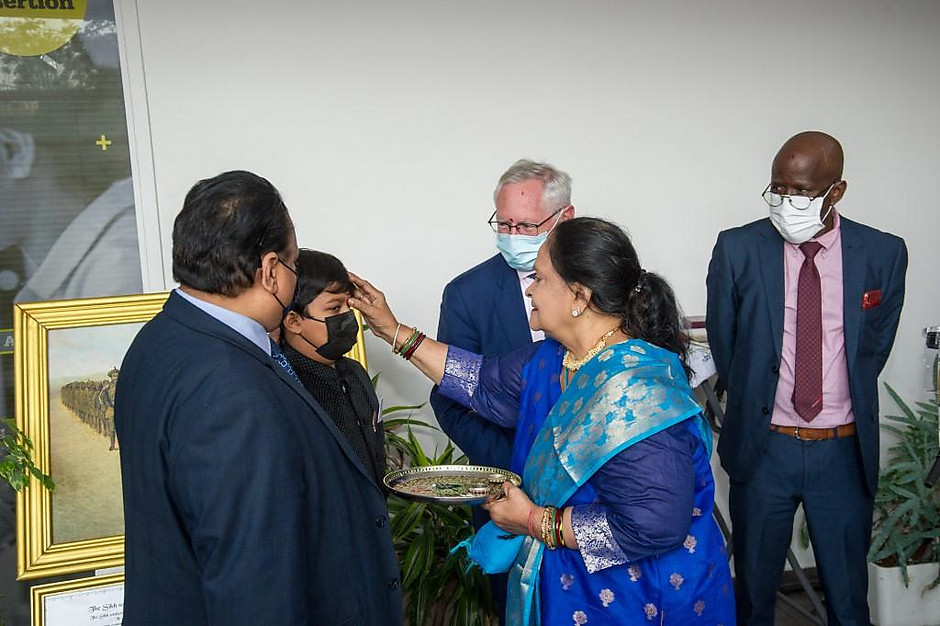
(774, 370)
(765, 410)
(393, 583)
(380, 521)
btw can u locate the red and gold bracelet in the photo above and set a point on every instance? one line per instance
(548, 531)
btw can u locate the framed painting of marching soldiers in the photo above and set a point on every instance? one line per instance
(67, 360)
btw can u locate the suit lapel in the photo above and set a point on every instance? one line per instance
(854, 263)
(770, 256)
(192, 316)
(515, 323)
(325, 420)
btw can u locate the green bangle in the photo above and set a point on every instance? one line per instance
(408, 342)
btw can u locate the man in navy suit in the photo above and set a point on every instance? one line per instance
(484, 310)
(803, 308)
(243, 504)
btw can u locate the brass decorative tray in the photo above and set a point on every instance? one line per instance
(450, 484)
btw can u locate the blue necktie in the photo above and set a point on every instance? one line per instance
(281, 360)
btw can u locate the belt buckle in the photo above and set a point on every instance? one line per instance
(796, 433)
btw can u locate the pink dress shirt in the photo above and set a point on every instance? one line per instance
(837, 401)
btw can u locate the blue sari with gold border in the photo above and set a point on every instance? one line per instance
(629, 392)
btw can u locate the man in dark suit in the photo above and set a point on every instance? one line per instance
(243, 504)
(484, 310)
(803, 308)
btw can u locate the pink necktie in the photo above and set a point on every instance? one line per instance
(807, 376)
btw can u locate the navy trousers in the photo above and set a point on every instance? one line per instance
(826, 477)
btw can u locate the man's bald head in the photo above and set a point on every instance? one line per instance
(810, 164)
(814, 150)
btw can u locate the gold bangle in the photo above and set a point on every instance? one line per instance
(395, 338)
(548, 517)
(407, 344)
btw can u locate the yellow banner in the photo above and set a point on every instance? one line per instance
(34, 27)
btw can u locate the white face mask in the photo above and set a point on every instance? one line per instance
(799, 225)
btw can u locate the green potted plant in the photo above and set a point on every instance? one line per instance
(904, 559)
(16, 462)
(438, 586)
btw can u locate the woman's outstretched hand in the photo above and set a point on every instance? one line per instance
(432, 355)
(511, 512)
(371, 303)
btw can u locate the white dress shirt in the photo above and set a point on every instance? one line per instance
(526, 278)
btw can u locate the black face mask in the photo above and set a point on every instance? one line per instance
(287, 308)
(342, 330)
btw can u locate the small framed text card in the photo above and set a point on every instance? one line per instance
(96, 601)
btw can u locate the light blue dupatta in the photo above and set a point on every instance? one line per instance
(630, 391)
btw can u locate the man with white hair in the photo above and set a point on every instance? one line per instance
(484, 310)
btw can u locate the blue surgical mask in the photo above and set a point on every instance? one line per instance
(520, 250)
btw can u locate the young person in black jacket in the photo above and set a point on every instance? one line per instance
(317, 332)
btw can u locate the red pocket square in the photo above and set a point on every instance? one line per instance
(871, 299)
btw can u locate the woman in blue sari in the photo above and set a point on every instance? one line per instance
(613, 524)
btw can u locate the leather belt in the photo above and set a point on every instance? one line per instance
(815, 434)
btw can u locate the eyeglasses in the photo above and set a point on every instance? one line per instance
(522, 228)
(800, 203)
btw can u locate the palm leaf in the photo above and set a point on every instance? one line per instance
(436, 587)
(907, 518)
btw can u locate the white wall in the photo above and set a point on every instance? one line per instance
(386, 125)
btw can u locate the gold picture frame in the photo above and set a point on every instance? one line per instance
(358, 352)
(62, 532)
(89, 608)
(40, 550)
